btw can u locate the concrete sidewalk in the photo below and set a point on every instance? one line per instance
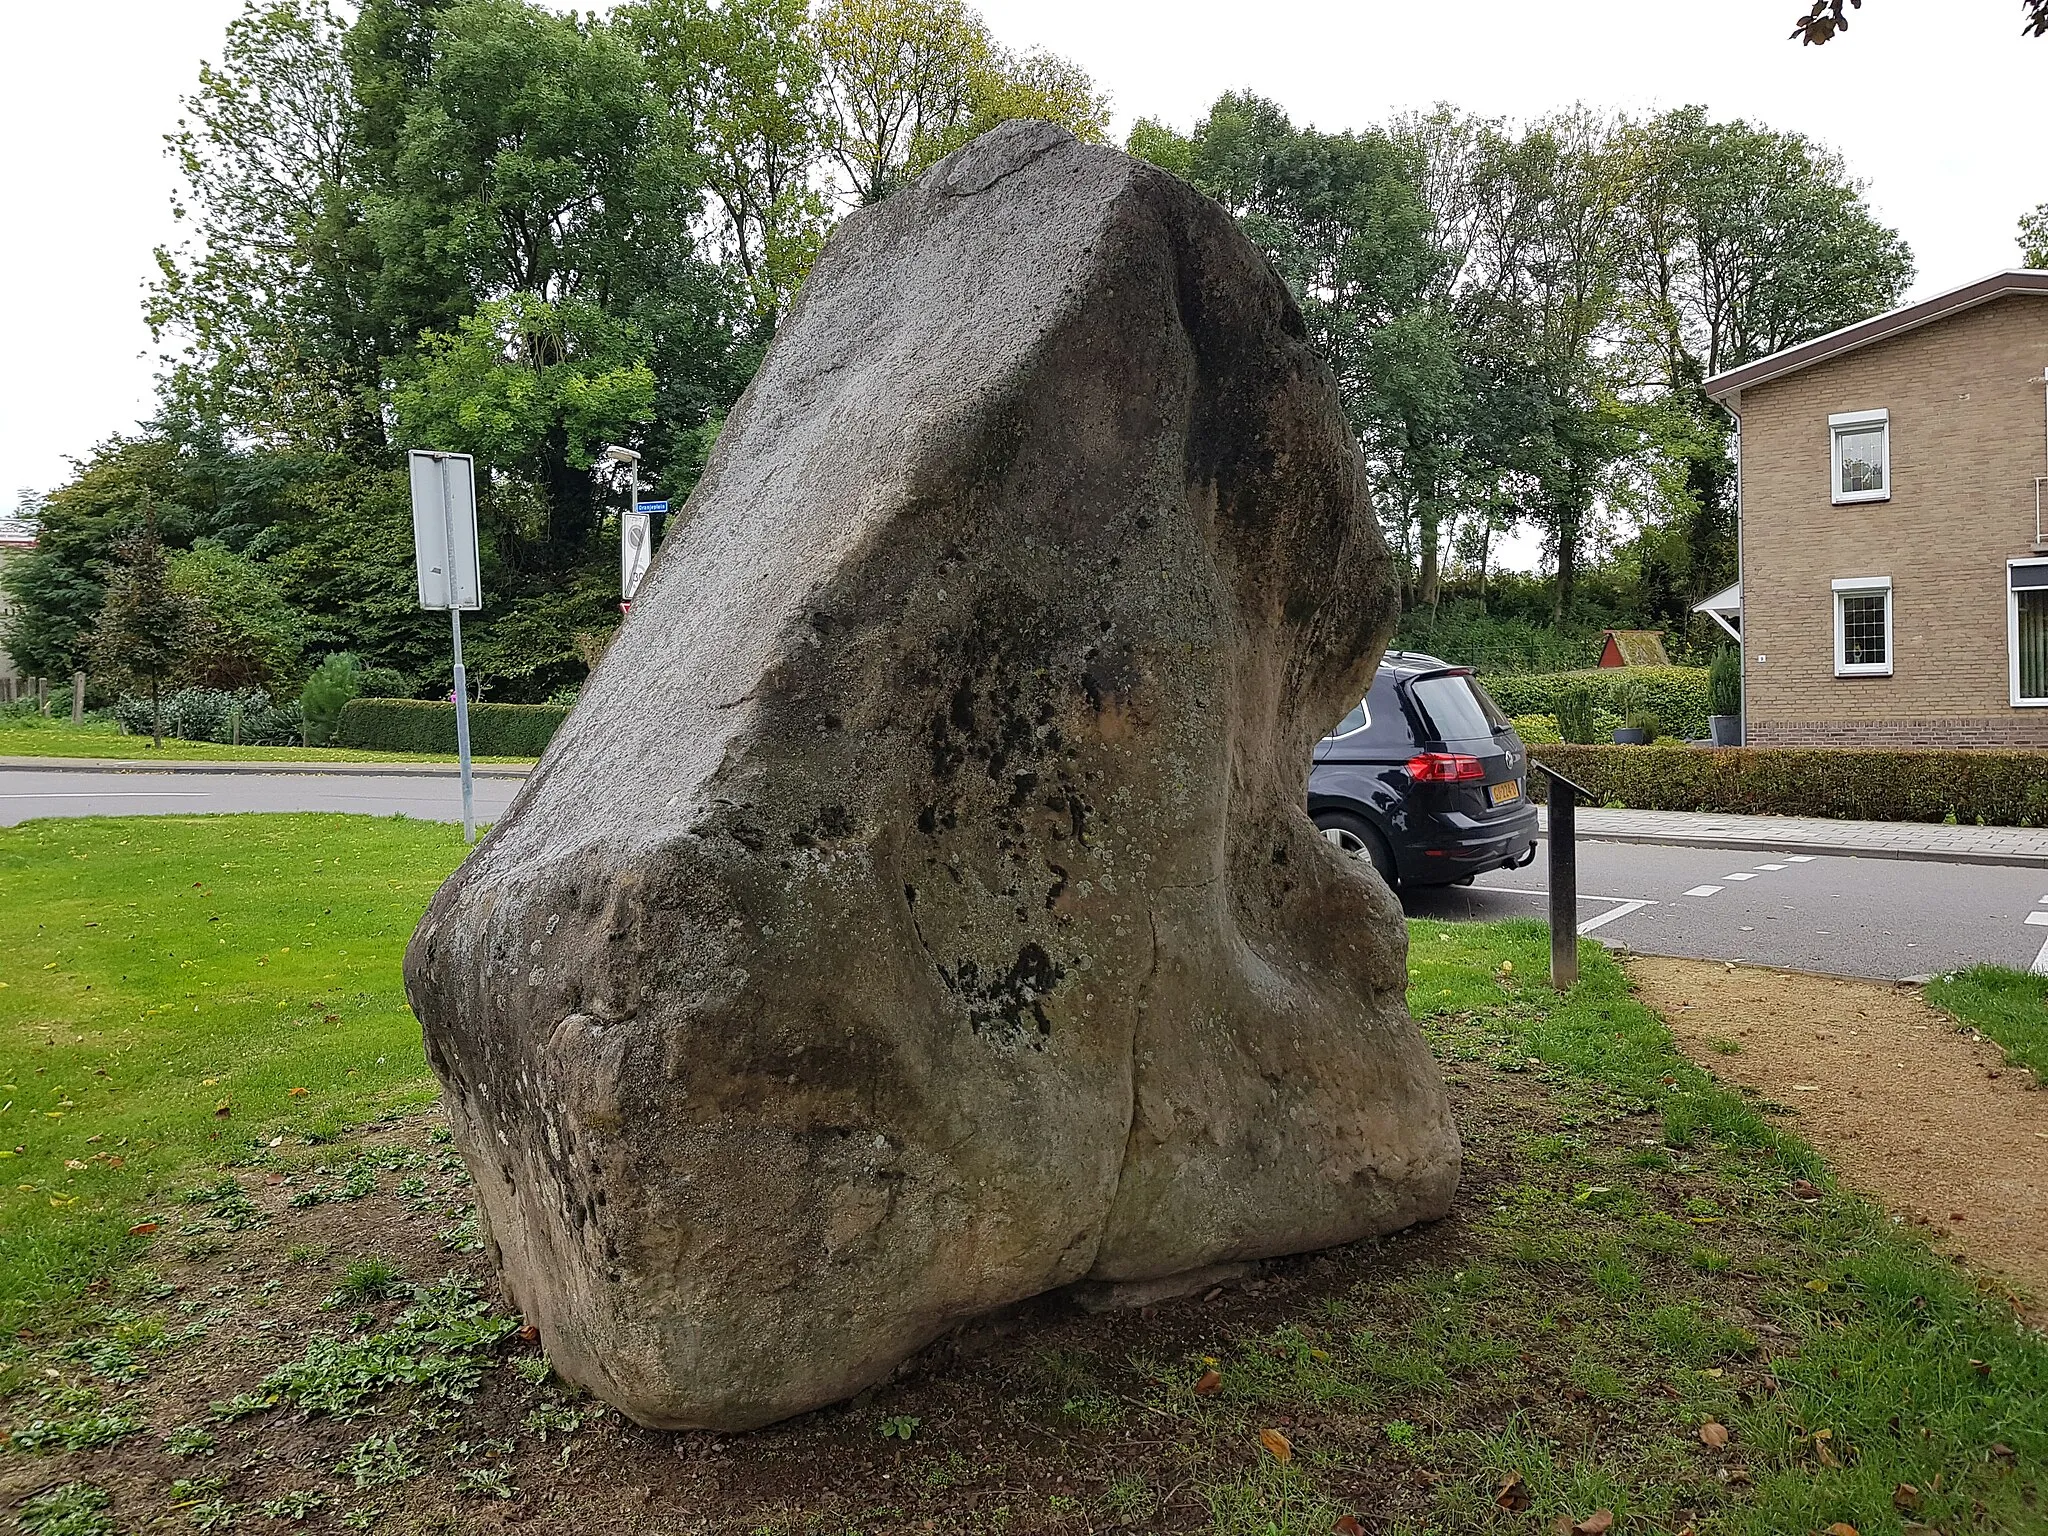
(2026, 847)
(429, 769)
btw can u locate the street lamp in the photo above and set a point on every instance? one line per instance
(633, 531)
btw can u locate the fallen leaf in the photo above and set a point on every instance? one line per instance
(2000, 1451)
(1714, 1434)
(1981, 1367)
(1597, 1523)
(142, 1229)
(1347, 1525)
(300, 1093)
(1208, 1382)
(1905, 1497)
(1281, 1447)
(528, 1334)
(76, 1166)
(1843, 1528)
(1513, 1494)
(222, 1110)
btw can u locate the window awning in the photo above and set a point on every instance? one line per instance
(1724, 608)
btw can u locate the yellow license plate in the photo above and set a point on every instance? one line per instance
(1503, 793)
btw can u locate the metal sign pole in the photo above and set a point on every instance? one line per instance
(462, 732)
(1564, 879)
(461, 681)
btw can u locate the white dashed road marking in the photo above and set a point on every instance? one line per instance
(2037, 919)
(1739, 875)
(1770, 866)
(1798, 858)
(1609, 916)
(1704, 890)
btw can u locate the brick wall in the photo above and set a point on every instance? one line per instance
(2016, 728)
(1967, 438)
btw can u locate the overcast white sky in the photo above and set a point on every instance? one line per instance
(1935, 103)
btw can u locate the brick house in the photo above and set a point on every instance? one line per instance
(1894, 538)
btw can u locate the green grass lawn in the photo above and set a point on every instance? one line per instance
(30, 736)
(175, 989)
(2010, 1007)
(1638, 1252)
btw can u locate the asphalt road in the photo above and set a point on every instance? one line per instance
(1886, 918)
(1889, 918)
(41, 792)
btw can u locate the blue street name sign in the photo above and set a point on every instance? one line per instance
(653, 508)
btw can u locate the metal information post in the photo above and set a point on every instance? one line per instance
(1564, 878)
(445, 551)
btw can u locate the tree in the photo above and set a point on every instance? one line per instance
(1737, 242)
(1544, 302)
(242, 634)
(2034, 237)
(1824, 18)
(56, 591)
(265, 300)
(145, 624)
(909, 81)
(743, 85)
(1344, 222)
(533, 388)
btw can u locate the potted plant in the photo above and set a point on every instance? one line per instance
(1724, 693)
(1638, 725)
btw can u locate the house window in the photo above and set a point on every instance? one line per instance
(1862, 455)
(2026, 629)
(1863, 626)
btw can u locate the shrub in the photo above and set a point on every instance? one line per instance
(1724, 682)
(334, 682)
(1575, 714)
(428, 725)
(208, 714)
(383, 683)
(1677, 696)
(1996, 787)
(1537, 730)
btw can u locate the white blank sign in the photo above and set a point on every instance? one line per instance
(444, 530)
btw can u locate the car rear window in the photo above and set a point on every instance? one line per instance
(1458, 707)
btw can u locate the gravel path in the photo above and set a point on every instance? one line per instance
(1926, 1120)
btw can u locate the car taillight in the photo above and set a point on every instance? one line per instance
(1444, 768)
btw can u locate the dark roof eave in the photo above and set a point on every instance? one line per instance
(1723, 386)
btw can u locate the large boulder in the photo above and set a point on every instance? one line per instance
(918, 912)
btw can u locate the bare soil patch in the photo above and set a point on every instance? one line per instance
(1913, 1111)
(1046, 1420)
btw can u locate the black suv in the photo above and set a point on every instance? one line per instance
(1426, 777)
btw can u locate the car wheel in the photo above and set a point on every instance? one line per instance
(1354, 836)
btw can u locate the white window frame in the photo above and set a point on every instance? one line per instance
(1863, 586)
(1365, 706)
(1850, 421)
(2012, 638)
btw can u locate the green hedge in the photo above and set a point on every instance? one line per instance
(1996, 788)
(428, 725)
(1677, 696)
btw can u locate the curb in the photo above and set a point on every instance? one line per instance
(428, 770)
(1832, 850)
